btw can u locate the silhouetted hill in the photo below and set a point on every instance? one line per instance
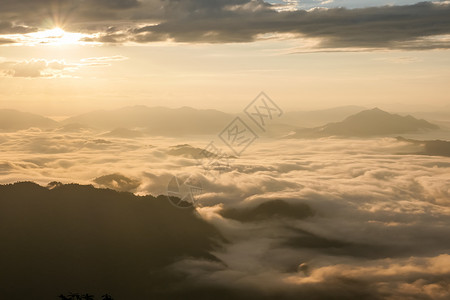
(157, 120)
(73, 238)
(117, 182)
(189, 151)
(269, 209)
(73, 127)
(373, 122)
(435, 148)
(11, 120)
(320, 116)
(124, 133)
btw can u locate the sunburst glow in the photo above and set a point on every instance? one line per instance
(55, 36)
(51, 33)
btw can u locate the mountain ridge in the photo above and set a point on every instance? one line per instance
(368, 123)
(156, 120)
(12, 120)
(141, 120)
(80, 238)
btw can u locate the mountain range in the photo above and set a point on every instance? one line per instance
(155, 120)
(137, 121)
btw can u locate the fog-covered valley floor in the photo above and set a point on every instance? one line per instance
(324, 218)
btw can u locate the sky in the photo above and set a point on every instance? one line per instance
(320, 218)
(60, 58)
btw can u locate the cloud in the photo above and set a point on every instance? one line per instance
(6, 41)
(104, 59)
(35, 68)
(101, 61)
(74, 14)
(419, 26)
(399, 60)
(343, 218)
(10, 28)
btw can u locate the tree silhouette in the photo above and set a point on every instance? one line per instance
(75, 296)
(107, 297)
(87, 297)
(62, 297)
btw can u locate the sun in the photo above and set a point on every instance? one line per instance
(56, 32)
(56, 36)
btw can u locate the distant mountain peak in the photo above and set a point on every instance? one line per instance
(11, 120)
(371, 122)
(372, 112)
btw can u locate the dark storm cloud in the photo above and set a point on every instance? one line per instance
(73, 15)
(118, 4)
(389, 26)
(6, 41)
(224, 21)
(10, 28)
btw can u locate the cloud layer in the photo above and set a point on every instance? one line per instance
(418, 26)
(316, 218)
(35, 68)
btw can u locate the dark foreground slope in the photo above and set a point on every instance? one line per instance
(76, 238)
